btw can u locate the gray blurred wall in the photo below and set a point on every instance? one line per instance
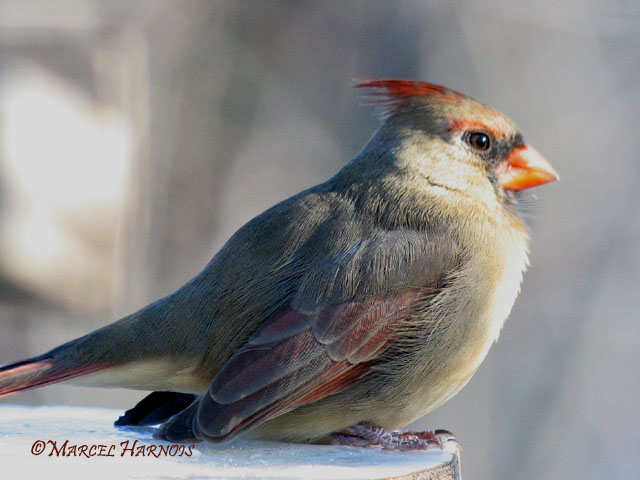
(224, 108)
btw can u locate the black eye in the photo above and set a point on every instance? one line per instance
(479, 140)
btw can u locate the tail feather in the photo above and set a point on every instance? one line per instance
(129, 352)
(39, 371)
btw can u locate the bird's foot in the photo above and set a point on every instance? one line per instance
(367, 435)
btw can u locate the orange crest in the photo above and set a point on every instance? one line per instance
(391, 92)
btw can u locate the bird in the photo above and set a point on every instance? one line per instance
(342, 313)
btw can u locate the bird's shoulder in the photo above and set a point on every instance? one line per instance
(326, 229)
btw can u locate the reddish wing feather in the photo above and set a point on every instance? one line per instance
(334, 350)
(251, 370)
(219, 423)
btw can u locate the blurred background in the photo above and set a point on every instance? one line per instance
(136, 137)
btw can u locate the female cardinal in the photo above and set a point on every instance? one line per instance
(358, 305)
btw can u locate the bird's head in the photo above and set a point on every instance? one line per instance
(442, 139)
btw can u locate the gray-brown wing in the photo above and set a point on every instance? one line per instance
(346, 313)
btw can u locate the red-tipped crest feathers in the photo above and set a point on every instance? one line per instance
(391, 92)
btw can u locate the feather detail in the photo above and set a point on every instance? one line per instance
(393, 93)
(43, 370)
(318, 355)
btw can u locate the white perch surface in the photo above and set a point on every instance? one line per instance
(27, 450)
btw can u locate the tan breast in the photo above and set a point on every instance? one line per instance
(479, 301)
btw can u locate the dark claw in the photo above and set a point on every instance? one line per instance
(364, 435)
(155, 408)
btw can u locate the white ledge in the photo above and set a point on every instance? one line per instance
(133, 453)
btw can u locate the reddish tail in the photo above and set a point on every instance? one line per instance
(39, 371)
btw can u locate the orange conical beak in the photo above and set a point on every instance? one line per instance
(525, 168)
